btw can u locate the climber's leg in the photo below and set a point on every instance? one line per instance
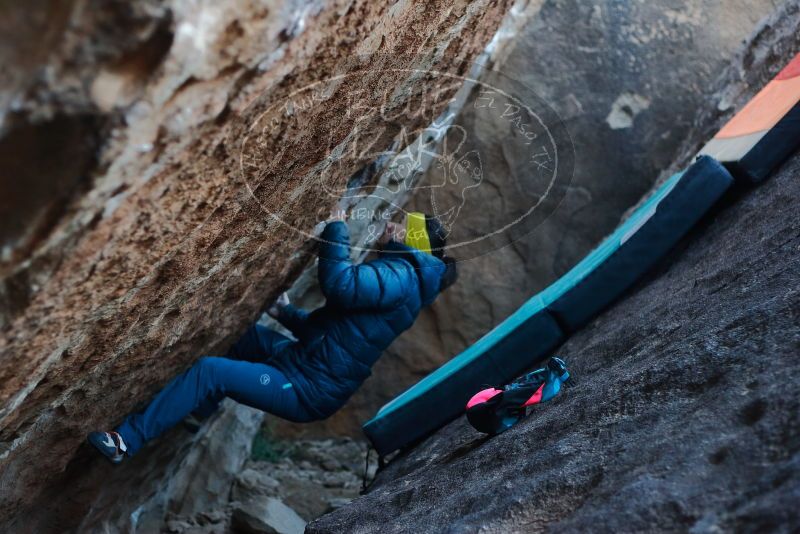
(258, 344)
(254, 384)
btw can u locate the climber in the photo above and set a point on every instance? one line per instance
(307, 379)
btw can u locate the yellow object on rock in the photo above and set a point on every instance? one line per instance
(417, 232)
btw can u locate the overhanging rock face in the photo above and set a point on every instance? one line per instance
(138, 179)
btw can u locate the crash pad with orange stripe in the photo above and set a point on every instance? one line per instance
(765, 132)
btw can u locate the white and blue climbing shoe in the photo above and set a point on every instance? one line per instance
(110, 444)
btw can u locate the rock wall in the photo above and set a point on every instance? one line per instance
(684, 415)
(627, 80)
(139, 228)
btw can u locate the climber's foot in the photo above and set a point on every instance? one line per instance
(109, 444)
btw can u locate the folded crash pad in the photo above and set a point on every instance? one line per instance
(526, 337)
(541, 324)
(765, 132)
(644, 238)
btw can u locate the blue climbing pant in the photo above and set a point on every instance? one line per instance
(244, 376)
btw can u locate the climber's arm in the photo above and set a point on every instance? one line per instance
(295, 319)
(352, 286)
(291, 317)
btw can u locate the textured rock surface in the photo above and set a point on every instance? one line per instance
(309, 477)
(685, 416)
(128, 227)
(266, 516)
(590, 61)
(313, 477)
(182, 475)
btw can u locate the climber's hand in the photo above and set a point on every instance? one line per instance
(277, 307)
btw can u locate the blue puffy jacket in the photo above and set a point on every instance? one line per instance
(367, 307)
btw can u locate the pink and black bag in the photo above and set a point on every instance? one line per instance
(493, 410)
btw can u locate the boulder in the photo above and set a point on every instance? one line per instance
(160, 183)
(313, 477)
(267, 516)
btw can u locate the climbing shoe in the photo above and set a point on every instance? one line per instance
(110, 444)
(493, 410)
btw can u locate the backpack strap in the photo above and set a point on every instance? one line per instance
(365, 482)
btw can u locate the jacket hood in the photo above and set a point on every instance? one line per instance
(428, 267)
